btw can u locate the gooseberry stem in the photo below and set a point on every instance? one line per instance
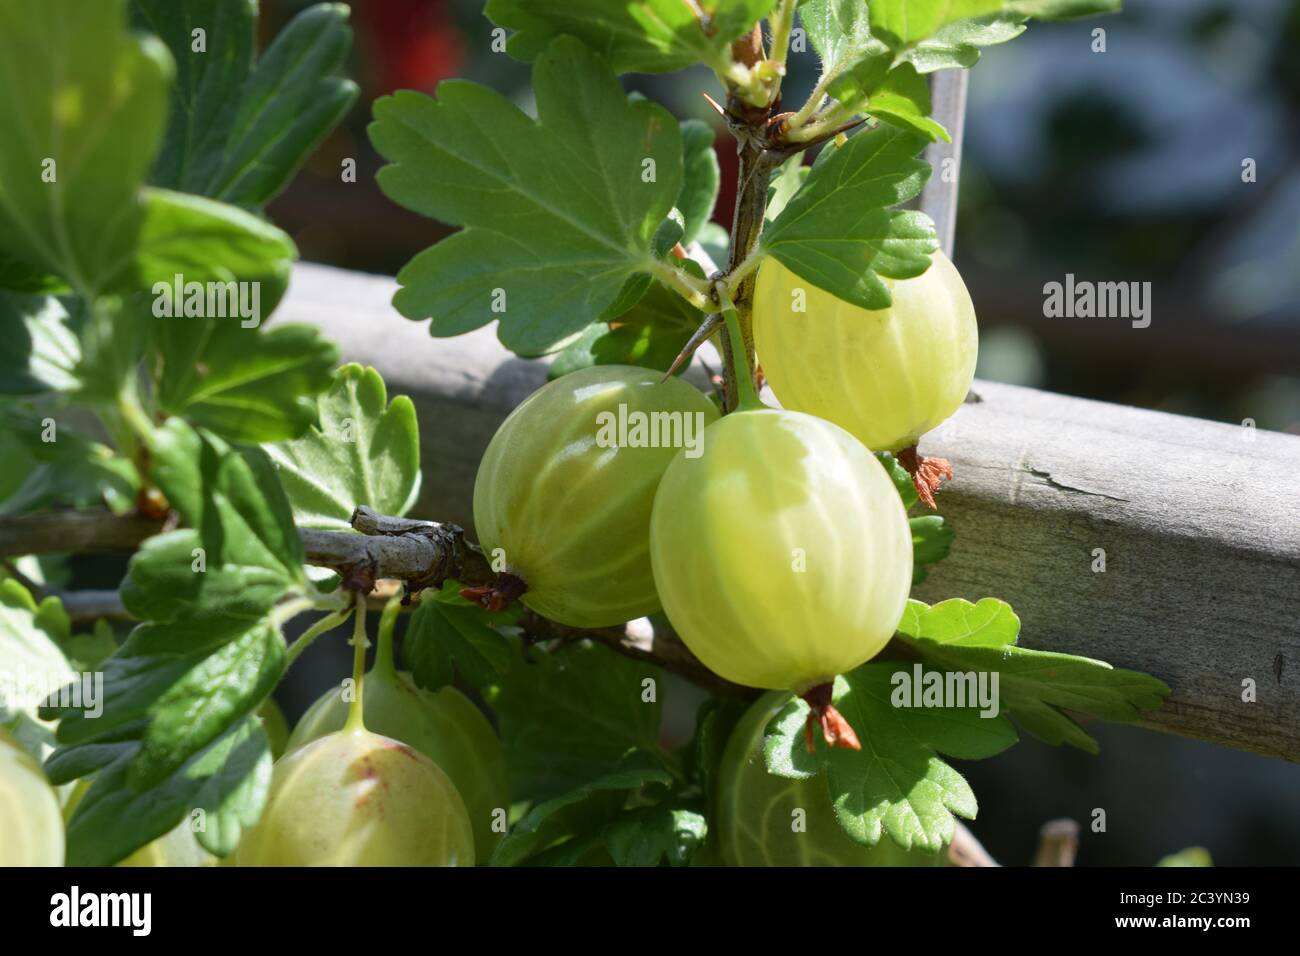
(746, 397)
(327, 623)
(356, 712)
(385, 664)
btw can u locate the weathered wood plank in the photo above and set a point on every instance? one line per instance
(1200, 525)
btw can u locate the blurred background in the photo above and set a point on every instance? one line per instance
(1123, 165)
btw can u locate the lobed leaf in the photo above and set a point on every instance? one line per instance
(567, 716)
(636, 36)
(244, 384)
(896, 784)
(82, 104)
(39, 350)
(448, 635)
(228, 781)
(231, 495)
(68, 470)
(839, 231)
(364, 451)
(1035, 686)
(650, 334)
(238, 132)
(558, 212)
(646, 836)
(207, 86)
(576, 817)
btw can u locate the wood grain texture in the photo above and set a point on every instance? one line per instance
(1200, 526)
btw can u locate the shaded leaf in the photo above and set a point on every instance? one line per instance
(896, 784)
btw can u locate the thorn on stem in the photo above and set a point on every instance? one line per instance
(706, 329)
(722, 110)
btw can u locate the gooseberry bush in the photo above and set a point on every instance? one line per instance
(763, 550)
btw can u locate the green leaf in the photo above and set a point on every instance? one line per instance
(642, 36)
(232, 497)
(650, 335)
(449, 635)
(839, 232)
(902, 480)
(162, 583)
(18, 276)
(896, 784)
(228, 781)
(902, 23)
(31, 655)
(195, 710)
(785, 184)
(700, 178)
(208, 84)
(556, 224)
(39, 350)
(567, 716)
(1063, 9)
(648, 835)
(958, 45)
(245, 384)
(182, 683)
(946, 34)
(1034, 685)
(932, 538)
(239, 133)
(86, 652)
(290, 103)
(714, 722)
(115, 333)
(207, 241)
(365, 451)
(48, 464)
(839, 30)
(152, 659)
(83, 760)
(70, 72)
(581, 811)
(903, 100)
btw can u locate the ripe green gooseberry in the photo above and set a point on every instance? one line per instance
(887, 376)
(782, 555)
(31, 826)
(354, 798)
(567, 483)
(444, 725)
(765, 820)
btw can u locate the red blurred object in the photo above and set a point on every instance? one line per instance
(412, 44)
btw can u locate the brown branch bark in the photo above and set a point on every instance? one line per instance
(418, 553)
(74, 532)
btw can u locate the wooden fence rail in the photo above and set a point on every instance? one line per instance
(1198, 522)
